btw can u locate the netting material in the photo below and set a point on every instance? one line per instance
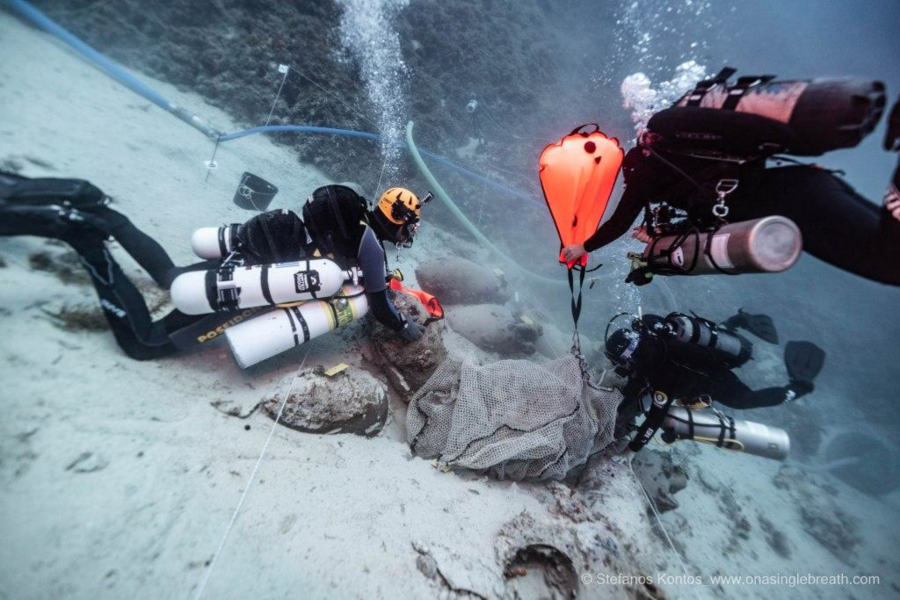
(513, 419)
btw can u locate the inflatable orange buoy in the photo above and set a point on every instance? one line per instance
(577, 176)
(431, 304)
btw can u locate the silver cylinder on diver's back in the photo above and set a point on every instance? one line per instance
(738, 435)
(767, 245)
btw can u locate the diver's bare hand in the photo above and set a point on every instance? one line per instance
(640, 234)
(573, 252)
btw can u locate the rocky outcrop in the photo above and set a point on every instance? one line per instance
(351, 401)
(459, 281)
(495, 328)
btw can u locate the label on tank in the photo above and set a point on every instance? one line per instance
(719, 251)
(307, 281)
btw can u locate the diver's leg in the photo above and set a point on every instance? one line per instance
(838, 225)
(727, 389)
(52, 207)
(137, 334)
(144, 249)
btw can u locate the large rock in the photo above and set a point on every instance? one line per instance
(661, 477)
(456, 280)
(495, 328)
(352, 401)
(408, 365)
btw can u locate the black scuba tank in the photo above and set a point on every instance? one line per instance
(760, 116)
(692, 339)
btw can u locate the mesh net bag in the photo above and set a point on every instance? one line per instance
(513, 419)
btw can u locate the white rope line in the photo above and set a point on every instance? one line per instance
(378, 185)
(662, 527)
(277, 96)
(240, 503)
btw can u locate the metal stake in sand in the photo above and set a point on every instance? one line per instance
(211, 163)
(281, 69)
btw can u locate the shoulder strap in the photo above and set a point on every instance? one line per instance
(704, 86)
(737, 91)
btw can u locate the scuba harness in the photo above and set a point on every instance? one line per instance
(735, 127)
(676, 330)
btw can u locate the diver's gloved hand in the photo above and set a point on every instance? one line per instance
(411, 331)
(798, 388)
(892, 137)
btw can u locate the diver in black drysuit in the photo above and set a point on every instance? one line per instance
(655, 359)
(76, 212)
(839, 226)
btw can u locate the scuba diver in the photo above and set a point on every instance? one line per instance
(704, 160)
(687, 361)
(336, 222)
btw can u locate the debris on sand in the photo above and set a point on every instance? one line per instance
(351, 401)
(65, 265)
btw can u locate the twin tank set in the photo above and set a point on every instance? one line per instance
(312, 296)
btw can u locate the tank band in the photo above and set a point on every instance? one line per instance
(264, 283)
(223, 249)
(288, 311)
(303, 325)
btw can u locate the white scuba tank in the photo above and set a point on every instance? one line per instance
(214, 242)
(231, 288)
(280, 330)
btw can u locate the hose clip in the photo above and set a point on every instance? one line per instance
(723, 189)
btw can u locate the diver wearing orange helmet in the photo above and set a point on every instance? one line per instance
(336, 223)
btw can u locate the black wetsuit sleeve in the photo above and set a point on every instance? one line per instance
(629, 207)
(618, 224)
(371, 261)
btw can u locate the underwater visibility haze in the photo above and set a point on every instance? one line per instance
(418, 299)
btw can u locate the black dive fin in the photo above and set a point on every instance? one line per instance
(804, 360)
(762, 327)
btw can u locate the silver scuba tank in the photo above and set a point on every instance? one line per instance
(713, 427)
(689, 331)
(767, 245)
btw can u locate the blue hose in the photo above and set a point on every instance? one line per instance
(115, 71)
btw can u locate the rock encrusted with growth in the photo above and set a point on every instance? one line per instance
(352, 401)
(661, 477)
(408, 365)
